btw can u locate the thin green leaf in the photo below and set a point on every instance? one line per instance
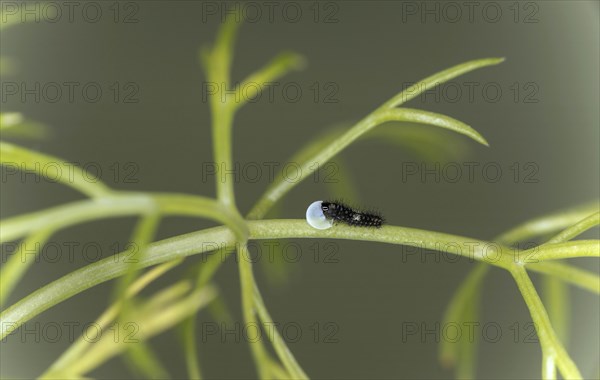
(259, 352)
(120, 204)
(576, 230)
(217, 64)
(451, 354)
(142, 360)
(457, 311)
(555, 291)
(16, 158)
(20, 261)
(548, 340)
(10, 120)
(150, 319)
(548, 224)
(78, 348)
(435, 119)
(283, 352)
(205, 273)
(571, 249)
(281, 65)
(73, 213)
(467, 358)
(569, 274)
(196, 242)
(190, 350)
(13, 124)
(218, 59)
(439, 78)
(142, 236)
(571, 220)
(323, 153)
(192, 205)
(557, 301)
(280, 186)
(548, 367)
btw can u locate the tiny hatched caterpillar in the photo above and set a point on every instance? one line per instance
(323, 214)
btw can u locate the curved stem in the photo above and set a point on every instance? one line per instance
(247, 282)
(551, 346)
(116, 205)
(206, 240)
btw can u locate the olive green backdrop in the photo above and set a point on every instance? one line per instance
(359, 53)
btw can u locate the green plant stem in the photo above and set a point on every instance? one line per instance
(280, 186)
(384, 113)
(45, 223)
(31, 161)
(465, 368)
(551, 346)
(548, 367)
(144, 362)
(576, 230)
(574, 222)
(548, 224)
(439, 78)
(456, 311)
(205, 240)
(284, 354)
(577, 248)
(157, 315)
(247, 285)
(222, 123)
(74, 213)
(118, 205)
(217, 63)
(190, 350)
(77, 349)
(556, 292)
(557, 301)
(206, 271)
(20, 261)
(276, 68)
(142, 236)
(569, 274)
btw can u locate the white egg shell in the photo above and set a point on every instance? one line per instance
(316, 218)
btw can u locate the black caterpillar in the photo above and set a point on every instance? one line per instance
(339, 212)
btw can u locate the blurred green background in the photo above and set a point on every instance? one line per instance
(359, 54)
